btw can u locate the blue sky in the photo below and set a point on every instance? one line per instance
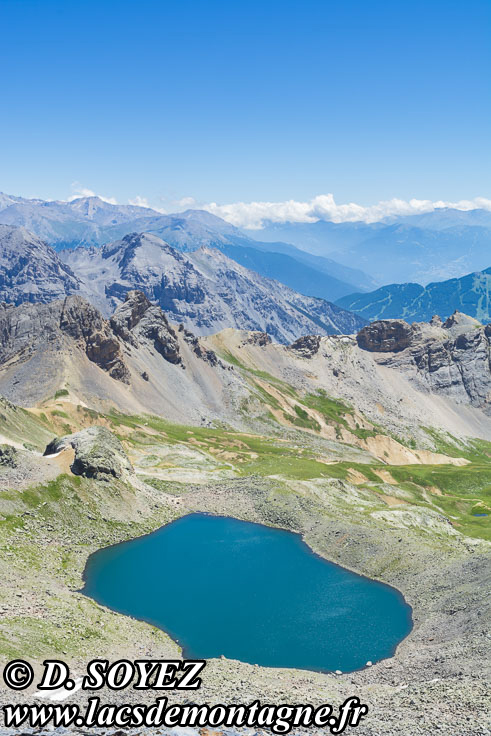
(239, 101)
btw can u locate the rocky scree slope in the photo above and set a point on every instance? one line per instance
(333, 375)
(30, 270)
(139, 363)
(204, 290)
(74, 323)
(136, 360)
(452, 358)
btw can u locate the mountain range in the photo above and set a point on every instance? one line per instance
(91, 221)
(329, 259)
(470, 294)
(205, 290)
(403, 252)
(31, 271)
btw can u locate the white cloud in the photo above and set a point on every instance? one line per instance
(187, 203)
(139, 202)
(252, 215)
(79, 191)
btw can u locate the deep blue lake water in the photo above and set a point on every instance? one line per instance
(218, 586)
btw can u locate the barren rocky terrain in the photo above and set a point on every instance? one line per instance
(378, 457)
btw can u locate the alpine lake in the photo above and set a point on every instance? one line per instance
(223, 587)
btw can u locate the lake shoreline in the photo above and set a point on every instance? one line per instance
(101, 554)
(440, 662)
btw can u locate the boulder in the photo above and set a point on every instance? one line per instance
(257, 338)
(8, 456)
(306, 346)
(385, 336)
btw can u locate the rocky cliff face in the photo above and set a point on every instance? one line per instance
(30, 329)
(30, 270)
(41, 347)
(451, 358)
(81, 321)
(385, 336)
(138, 320)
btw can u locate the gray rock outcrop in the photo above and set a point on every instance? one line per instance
(258, 338)
(85, 324)
(45, 346)
(385, 336)
(307, 346)
(98, 454)
(138, 320)
(209, 356)
(8, 456)
(451, 358)
(36, 328)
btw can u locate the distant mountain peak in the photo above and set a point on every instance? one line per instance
(208, 218)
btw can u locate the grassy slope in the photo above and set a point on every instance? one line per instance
(459, 493)
(47, 531)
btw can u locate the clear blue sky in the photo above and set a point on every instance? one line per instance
(244, 100)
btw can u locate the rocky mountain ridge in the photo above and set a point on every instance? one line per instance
(91, 221)
(138, 361)
(135, 360)
(452, 358)
(205, 290)
(29, 329)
